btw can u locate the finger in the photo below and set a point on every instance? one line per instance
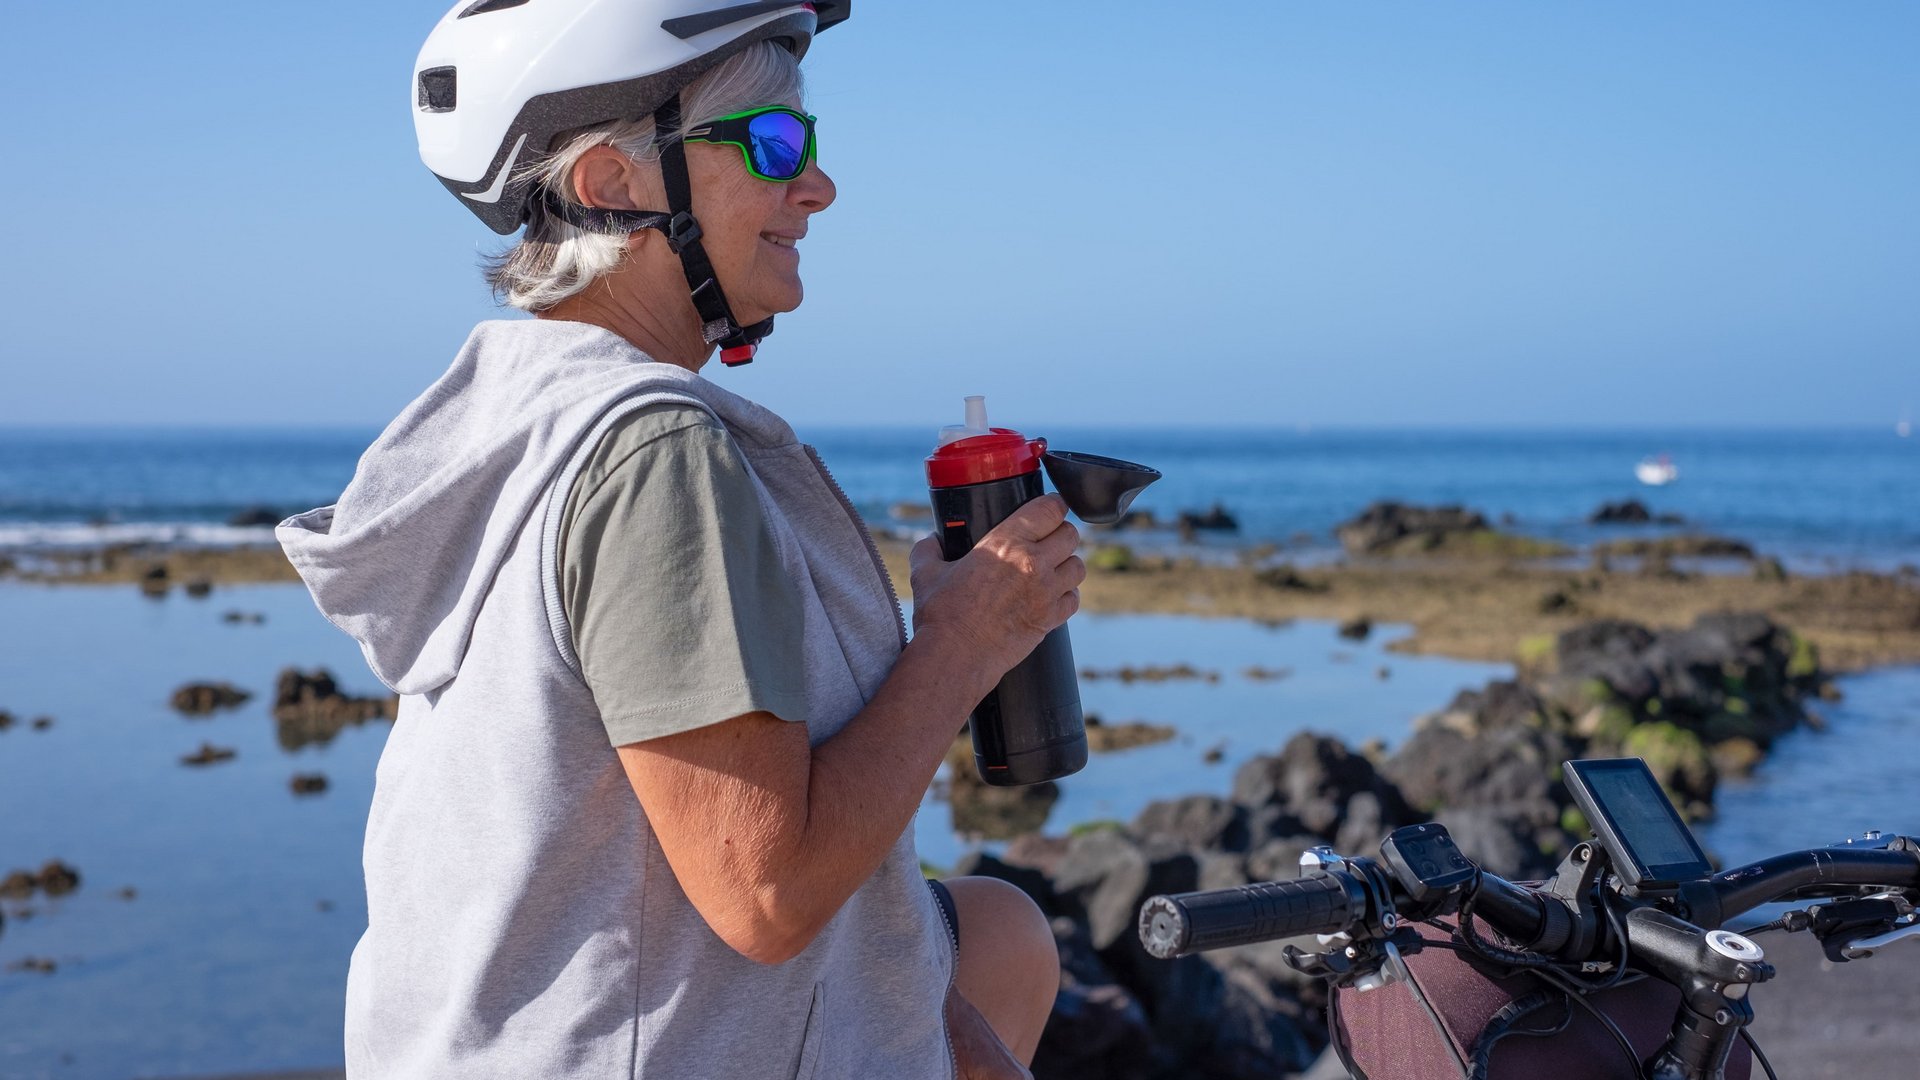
(1058, 546)
(1037, 518)
(1073, 572)
(1066, 607)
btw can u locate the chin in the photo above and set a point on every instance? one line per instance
(783, 301)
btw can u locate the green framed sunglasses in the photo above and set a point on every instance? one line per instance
(776, 142)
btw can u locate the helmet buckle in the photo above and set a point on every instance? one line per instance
(682, 230)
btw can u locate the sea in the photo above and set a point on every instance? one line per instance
(1819, 500)
(217, 908)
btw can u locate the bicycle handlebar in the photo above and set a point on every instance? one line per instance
(1337, 900)
(1747, 887)
(1220, 918)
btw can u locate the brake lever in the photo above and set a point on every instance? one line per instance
(1861, 948)
(1839, 925)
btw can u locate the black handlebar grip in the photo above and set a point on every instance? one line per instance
(1176, 925)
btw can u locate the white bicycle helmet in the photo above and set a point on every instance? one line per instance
(498, 79)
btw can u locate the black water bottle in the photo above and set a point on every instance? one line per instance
(1030, 727)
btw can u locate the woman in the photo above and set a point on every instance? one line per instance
(647, 806)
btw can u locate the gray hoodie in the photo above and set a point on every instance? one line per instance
(522, 919)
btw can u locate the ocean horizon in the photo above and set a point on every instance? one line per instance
(1821, 499)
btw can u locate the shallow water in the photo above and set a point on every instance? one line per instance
(232, 957)
(1821, 787)
(1334, 687)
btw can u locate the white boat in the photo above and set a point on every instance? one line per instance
(1657, 471)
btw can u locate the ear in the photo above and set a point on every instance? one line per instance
(606, 178)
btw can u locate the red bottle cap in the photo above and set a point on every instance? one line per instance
(984, 458)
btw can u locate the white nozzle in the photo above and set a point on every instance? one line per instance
(976, 422)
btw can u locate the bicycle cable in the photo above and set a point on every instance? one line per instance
(1573, 994)
(1439, 1028)
(1502, 1025)
(1757, 1055)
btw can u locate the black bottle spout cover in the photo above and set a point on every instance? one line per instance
(1098, 489)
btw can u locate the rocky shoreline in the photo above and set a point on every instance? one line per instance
(1469, 591)
(1695, 703)
(1632, 653)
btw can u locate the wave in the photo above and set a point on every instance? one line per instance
(32, 537)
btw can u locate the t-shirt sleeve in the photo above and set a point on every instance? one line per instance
(681, 612)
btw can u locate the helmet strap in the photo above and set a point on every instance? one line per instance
(717, 323)
(719, 327)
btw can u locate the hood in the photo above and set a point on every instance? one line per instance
(406, 557)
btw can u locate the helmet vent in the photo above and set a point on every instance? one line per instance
(691, 25)
(439, 89)
(485, 6)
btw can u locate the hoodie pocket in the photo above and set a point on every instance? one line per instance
(810, 1040)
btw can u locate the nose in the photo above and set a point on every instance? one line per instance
(814, 190)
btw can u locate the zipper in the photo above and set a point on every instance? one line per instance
(953, 974)
(900, 624)
(873, 549)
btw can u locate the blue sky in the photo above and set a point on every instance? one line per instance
(1389, 214)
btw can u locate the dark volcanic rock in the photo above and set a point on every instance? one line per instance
(1025, 878)
(18, 885)
(1098, 1028)
(1307, 788)
(201, 699)
(1106, 873)
(1729, 674)
(1631, 512)
(254, 516)
(1625, 512)
(55, 879)
(1691, 701)
(1152, 673)
(209, 754)
(1197, 821)
(1388, 526)
(6, 719)
(983, 810)
(1676, 547)
(1288, 579)
(309, 708)
(1216, 519)
(1505, 774)
(250, 617)
(1103, 737)
(1357, 629)
(42, 723)
(58, 879)
(308, 783)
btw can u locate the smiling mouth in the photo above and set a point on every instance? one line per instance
(780, 241)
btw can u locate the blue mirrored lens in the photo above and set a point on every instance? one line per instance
(778, 143)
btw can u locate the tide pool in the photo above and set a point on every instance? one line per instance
(231, 955)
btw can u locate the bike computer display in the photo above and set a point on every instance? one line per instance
(1636, 822)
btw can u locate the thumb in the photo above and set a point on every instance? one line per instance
(1035, 520)
(925, 552)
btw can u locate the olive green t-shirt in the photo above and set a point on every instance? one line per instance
(681, 614)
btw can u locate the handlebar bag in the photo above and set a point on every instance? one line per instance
(1386, 1034)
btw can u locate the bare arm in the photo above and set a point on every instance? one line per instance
(769, 837)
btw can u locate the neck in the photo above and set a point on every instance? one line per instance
(620, 303)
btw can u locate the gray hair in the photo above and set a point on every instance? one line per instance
(553, 260)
